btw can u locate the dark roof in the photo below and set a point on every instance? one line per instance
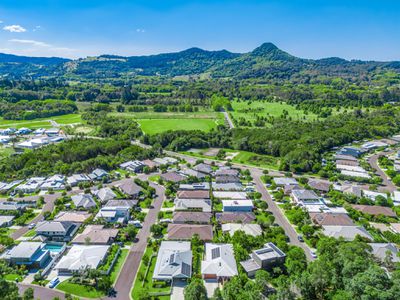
(129, 187)
(375, 210)
(224, 172)
(227, 178)
(193, 194)
(328, 219)
(192, 217)
(235, 217)
(186, 231)
(320, 185)
(173, 177)
(204, 168)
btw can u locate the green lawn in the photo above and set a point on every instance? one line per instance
(30, 233)
(148, 281)
(6, 152)
(250, 109)
(118, 265)
(79, 290)
(253, 159)
(41, 122)
(13, 277)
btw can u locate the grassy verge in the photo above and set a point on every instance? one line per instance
(41, 122)
(13, 277)
(118, 265)
(79, 290)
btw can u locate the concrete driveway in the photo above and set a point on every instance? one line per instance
(210, 285)
(177, 290)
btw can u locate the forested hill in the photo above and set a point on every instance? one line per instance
(265, 62)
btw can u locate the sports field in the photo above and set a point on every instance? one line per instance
(250, 109)
(153, 123)
(41, 123)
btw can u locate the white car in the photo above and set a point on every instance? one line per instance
(313, 254)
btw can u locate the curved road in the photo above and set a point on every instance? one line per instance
(373, 161)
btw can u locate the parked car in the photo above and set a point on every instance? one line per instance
(313, 254)
(31, 226)
(54, 282)
(136, 223)
(300, 238)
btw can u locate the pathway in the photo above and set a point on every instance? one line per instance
(228, 119)
(373, 161)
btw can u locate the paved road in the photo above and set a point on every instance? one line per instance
(40, 292)
(228, 119)
(280, 219)
(48, 206)
(128, 272)
(373, 161)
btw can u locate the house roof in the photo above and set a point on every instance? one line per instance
(121, 203)
(149, 163)
(173, 177)
(237, 203)
(72, 216)
(219, 260)
(193, 194)
(331, 219)
(95, 234)
(226, 172)
(6, 219)
(186, 231)
(230, 195)
(230, 186)
(346, 232)
(233, 217)
(195, 186)
(184, 204)
(105, 194)
(129, 187)
(54, 226)
(379, 250)
(395, 227)
(305, 195)
(82, 256)
(25, 249)
(285, 181)
(320, 185)
(174, 260)
(189, 216)
(204, 168)
(375, 210)
(249, 229)
(83, 200)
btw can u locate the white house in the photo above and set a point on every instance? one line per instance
(219, 262)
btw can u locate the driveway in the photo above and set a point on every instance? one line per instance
(177, 290)
(210, 286)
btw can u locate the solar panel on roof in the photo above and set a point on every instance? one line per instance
(186, 269)
(172, 258)
(215, 253)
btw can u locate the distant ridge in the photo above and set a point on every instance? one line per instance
(266, 61)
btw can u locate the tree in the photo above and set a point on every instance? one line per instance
(28, 294)
(8, 290)
(262, 280)
(195, 290)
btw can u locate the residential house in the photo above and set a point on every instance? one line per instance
(203, 168)
(237, 205)
(331, 219)
(226, 172)
(5, 187)
(105, 194)
(227, 179)
(249, 229)
(319, 185)
(76, 179)
(6, 221)
(192, 173)
(342, 162)
(149, 163)
(98, 175)
(282, 181)
(345, 157)
(172, 177)
(186, 232)
(230, 186)
(57, 231)
(219, 262)
(230, 195)
(348, 233)
(265, 258)
(12, 206)
(288, 188)
(72, 216)
(194, 186)
(351, 151)
(81, 257)
(31, 185)
(174, 261)
(31, 254)
(85, 201)
(382, 250)
(193, 194)
(375, 210)
(96, 235)
(116, 211)
(203, 205)
(129, 188)
(134, 166)
(55, 182)
(372, 195)
(396, 198)
(196, 217)
(235, 217)
(305, 196)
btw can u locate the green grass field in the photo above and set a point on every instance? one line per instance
(118, 265)
(250, 109)
(79, 290)
(41, 123)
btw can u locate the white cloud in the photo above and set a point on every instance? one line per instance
(38, 27)
(30, 42)
(140, 30)
(14, 28)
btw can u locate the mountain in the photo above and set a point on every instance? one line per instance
(266, 61)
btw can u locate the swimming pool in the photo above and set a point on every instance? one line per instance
(53, 248)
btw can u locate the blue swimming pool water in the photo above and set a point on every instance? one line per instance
(53, 248)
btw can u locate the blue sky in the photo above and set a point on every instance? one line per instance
(368, 30)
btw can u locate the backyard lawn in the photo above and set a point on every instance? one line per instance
(79, 290)
(144, 281)
(13, 277)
